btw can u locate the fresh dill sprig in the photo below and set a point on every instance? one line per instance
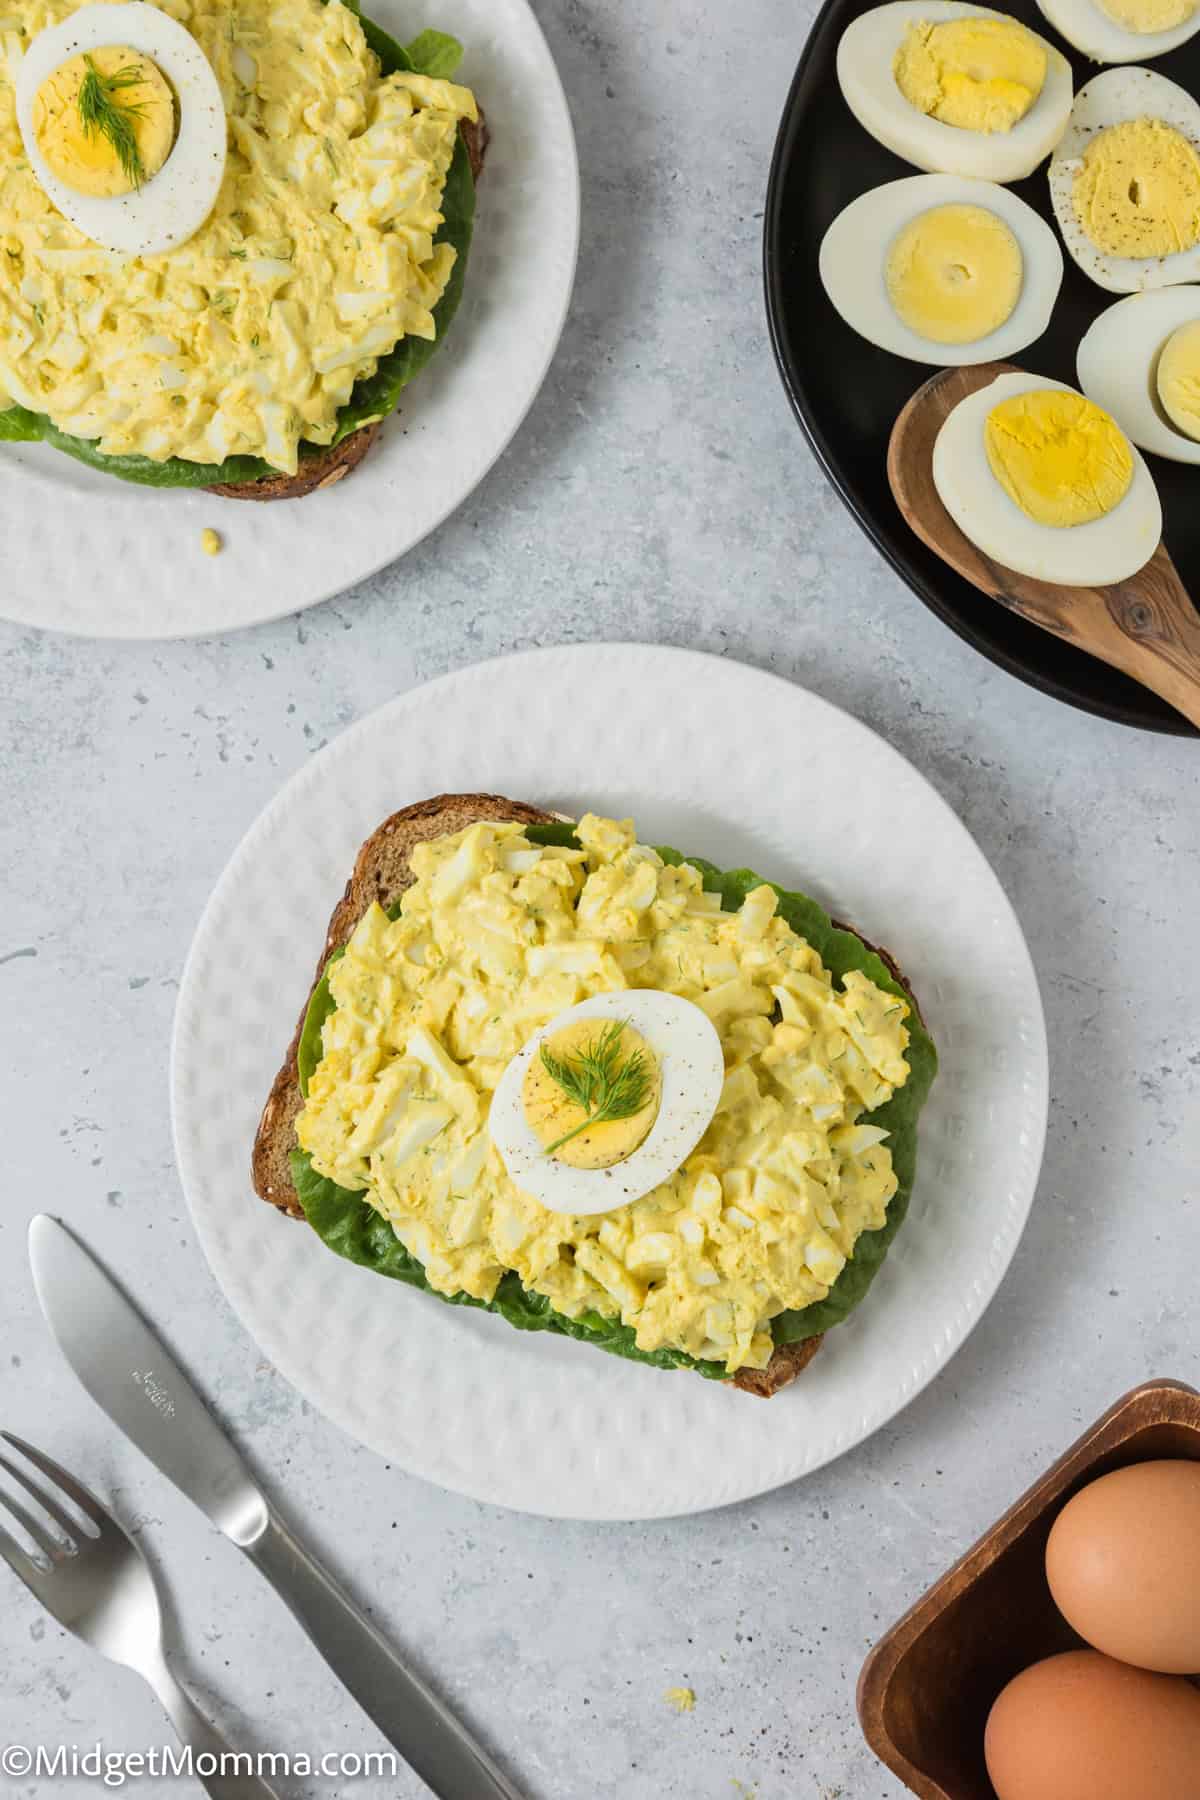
(598, 1080)
(100, 110)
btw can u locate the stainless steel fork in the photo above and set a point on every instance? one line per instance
(100, 1586)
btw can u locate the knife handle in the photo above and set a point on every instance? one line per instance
(408, 1713)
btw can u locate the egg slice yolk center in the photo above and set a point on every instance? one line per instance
(1137, 192)
(1177, 379)
(954, 273)
(977, 74)
(1058, 456)
(105, 121)
(1143, 16)
(592, 1093)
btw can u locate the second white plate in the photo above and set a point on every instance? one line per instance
(89, 554)
(739, 767)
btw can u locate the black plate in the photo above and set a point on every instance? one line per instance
(847, 393)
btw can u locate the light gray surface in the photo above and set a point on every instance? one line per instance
(659, 490)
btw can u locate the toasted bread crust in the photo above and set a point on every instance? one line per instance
(477, 137)
(786, 1363)
(381, 872)
(319, 470)
(332, 464)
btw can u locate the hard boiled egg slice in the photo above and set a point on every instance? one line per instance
(106, 78)
(1116, 31)
(1125, 181)
(1046, 483)
(959, 90)
(1140, 360)
(942, 269)
(685, 1066)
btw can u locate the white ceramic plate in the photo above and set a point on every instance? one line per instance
(740, 767)
(88, 554)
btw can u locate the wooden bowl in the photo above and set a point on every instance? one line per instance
(927, 1687)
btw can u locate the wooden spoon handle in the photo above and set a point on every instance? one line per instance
(1146, 626)
(1161, 629)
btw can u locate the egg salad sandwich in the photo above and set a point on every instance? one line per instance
(600, 1090)
(231, 232)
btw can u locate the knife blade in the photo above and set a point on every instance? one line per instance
(138, 1383)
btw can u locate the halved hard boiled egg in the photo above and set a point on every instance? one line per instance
(655, 1058)
(1117, 31)
(124, 126)
(958, 90)
(942, 269)
(1140, 360)
(1125, 181)
(1045, 482)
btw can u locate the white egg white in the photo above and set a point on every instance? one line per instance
(865, 56)
(853, 266)
(1092, 555)
(1113, 98)
(170, 207)
(1086, 25)
(692, 1071)
(1117, 362)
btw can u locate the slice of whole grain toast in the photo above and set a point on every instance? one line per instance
(382, 872)
(322, 468)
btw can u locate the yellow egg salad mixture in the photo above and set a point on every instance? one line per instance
(317, 258)
(494, 940)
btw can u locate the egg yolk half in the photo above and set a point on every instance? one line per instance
(954, 273)
(105, 121)
(1058, 456)
(1145, 16)
(978, 74)
(1177, 379)
(582, 1051)
(1137, 192)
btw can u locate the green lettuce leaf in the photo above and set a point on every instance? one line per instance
(18, 426)
(376, 395)
(436, 54)
(349, 1225)
(345, 1222)
(322, 1003)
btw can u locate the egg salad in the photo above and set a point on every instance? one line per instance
(500, 936)
(314, 254)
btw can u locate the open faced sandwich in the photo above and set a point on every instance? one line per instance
(231, 232)
(600, 1090)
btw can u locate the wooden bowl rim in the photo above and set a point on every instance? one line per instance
(1152, 1402)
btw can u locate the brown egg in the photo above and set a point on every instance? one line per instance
(1082, 1727)
(1123, 1563)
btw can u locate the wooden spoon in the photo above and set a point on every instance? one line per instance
(1146, 626)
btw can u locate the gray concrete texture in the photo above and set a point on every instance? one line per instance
(659, 491)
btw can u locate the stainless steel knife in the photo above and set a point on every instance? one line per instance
(145, 1393)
